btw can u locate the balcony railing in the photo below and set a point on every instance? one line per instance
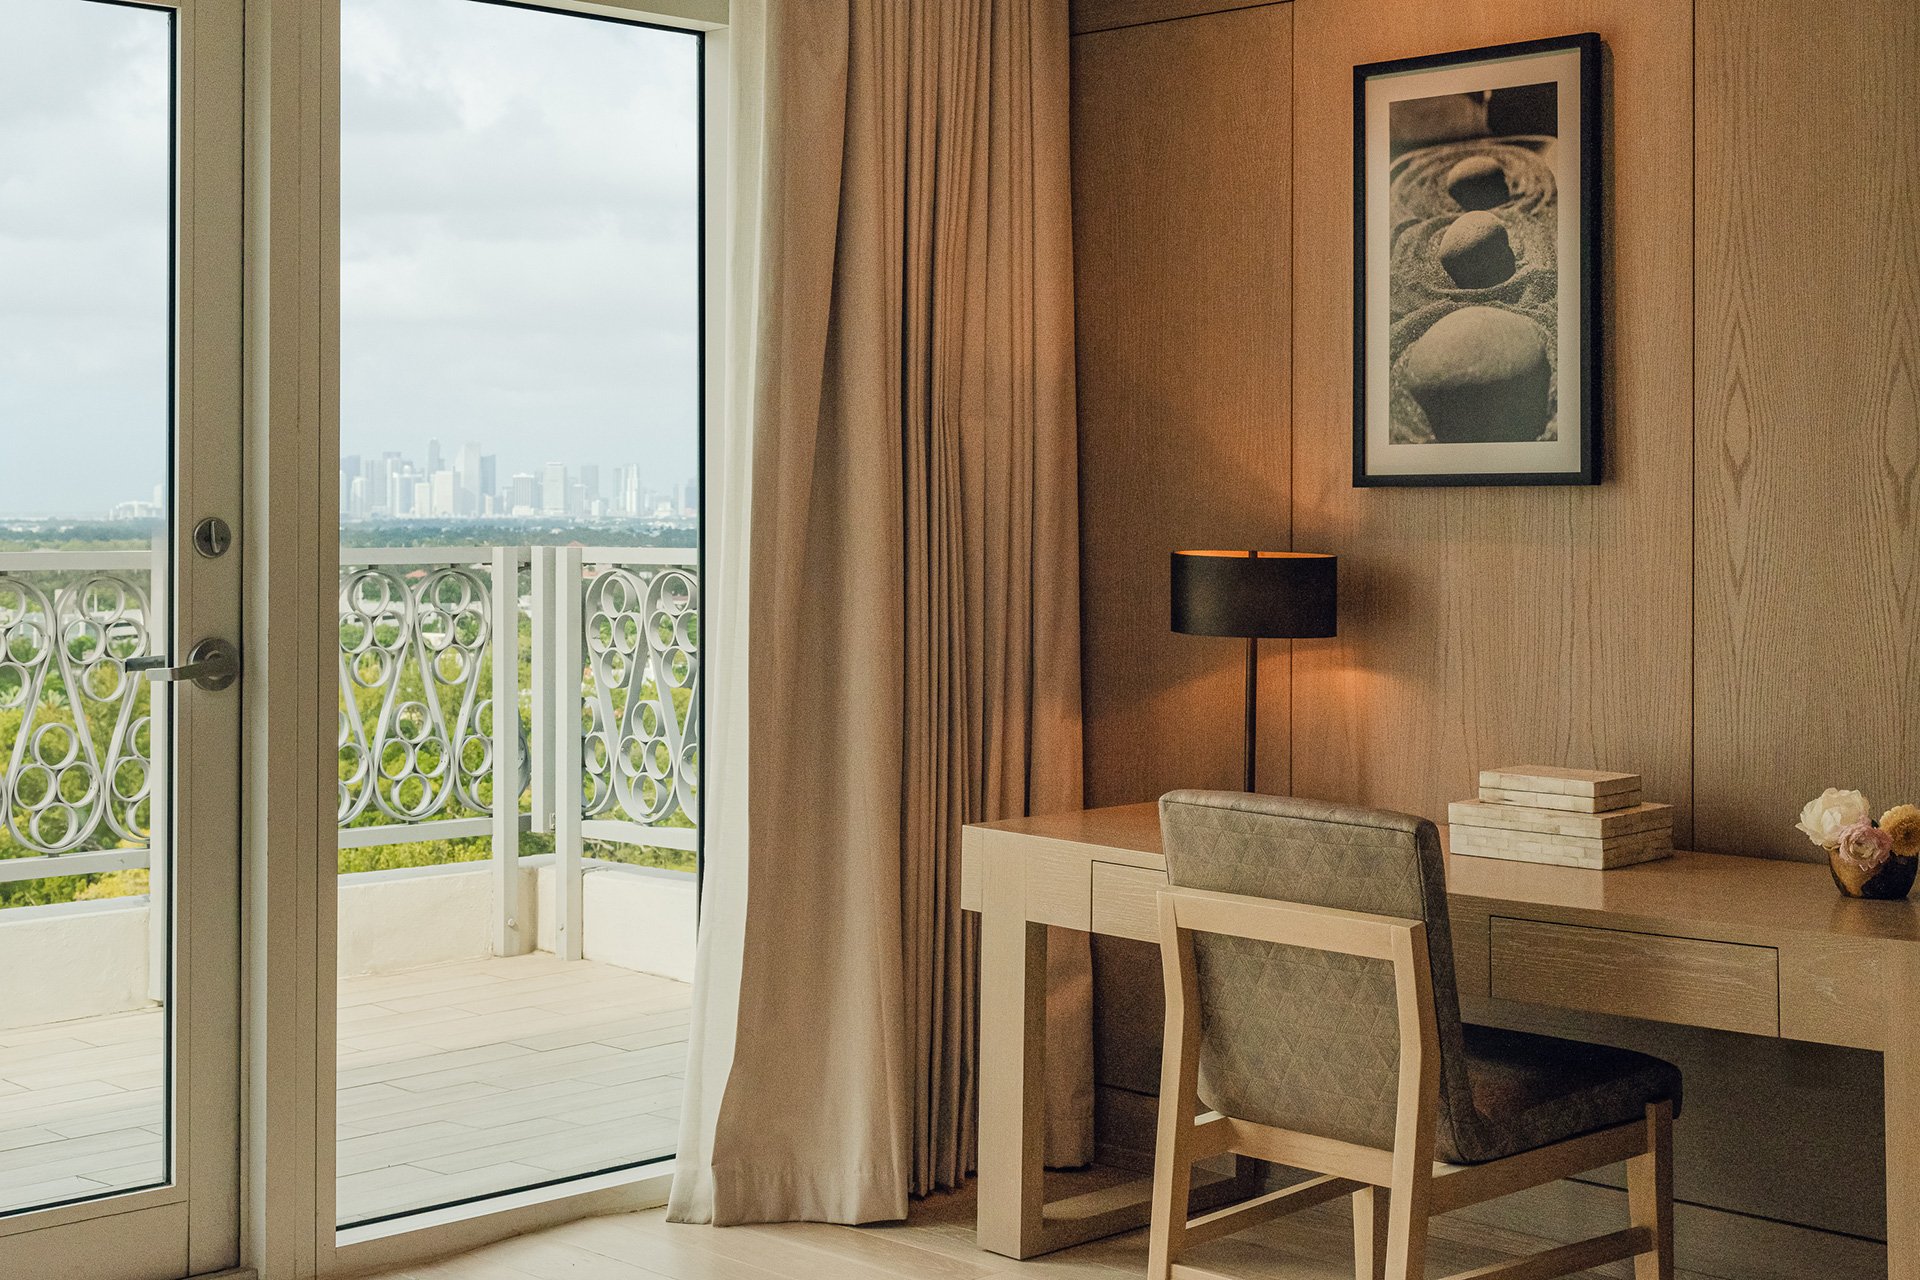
(78, 786)
(443, 731)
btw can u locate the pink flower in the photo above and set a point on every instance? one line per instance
(1865, 846)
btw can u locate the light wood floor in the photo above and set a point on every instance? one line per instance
(81, 1108)
(474, 1078)
(935, 1244)
(454, 1081)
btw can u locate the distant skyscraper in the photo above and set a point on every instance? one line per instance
(381, 476)
(433, 455)
(553, 490)
(349, 472)
(590, 480)
(466, 480)
(525, 499)
(489, 475)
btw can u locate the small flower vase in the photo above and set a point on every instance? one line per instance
(1891, 881)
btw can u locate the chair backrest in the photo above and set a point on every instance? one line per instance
(1306, 1039)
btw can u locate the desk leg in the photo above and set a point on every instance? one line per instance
(1013, 1055)
(1903, 1114)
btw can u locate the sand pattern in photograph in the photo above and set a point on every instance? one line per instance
(1474, 291)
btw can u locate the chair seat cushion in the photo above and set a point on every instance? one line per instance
(1531, 1091)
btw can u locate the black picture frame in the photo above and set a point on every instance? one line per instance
(1478, 386)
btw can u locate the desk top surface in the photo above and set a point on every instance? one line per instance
(1714, 895)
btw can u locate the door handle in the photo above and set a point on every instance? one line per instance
(212, 664)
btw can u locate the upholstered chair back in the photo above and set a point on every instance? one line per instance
(1303, 1039)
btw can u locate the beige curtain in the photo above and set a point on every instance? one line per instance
(912, 650)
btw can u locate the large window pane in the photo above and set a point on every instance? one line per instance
(86, 158)
(520, 379)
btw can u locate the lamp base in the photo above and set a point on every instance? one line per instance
(1253, 711)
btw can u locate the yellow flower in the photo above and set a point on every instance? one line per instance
(1902, 825)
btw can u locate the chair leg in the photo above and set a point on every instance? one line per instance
(1370, 1233)
(1650, 1194)
(1407, 1230)
(1172, 1183)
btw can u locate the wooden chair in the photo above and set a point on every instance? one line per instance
(1325, 1035)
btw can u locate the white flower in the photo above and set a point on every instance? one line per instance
(1824, 819)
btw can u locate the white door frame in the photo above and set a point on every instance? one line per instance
(191, 1225)
(291, 630)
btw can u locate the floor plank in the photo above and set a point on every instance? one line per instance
(935, 1243)
(454, 1081)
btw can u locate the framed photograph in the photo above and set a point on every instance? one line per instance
(1476, 266)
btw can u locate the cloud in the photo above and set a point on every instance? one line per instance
(519, 242)
(84, 178)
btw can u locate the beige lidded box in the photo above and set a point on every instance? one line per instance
(1559, 801)
(1566, 817)
(1560, 822)
(1574, 790)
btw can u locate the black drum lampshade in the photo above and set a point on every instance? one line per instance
(1265, 594)
(1255, 595)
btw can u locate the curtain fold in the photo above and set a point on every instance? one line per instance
(736, 205)
(912, 645)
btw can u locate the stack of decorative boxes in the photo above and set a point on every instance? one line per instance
(1569, 817)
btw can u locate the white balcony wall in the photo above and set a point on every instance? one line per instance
(638, 918)
(408, 919)
(635, 917)
(73, 960)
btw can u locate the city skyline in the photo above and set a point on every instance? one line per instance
(454, 485)
(468, 483)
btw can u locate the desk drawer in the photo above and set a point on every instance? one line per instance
(1126, 901)
(1725, 985)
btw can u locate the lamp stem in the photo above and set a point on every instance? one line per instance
(1253, 704)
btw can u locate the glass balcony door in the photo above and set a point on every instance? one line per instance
(120, 384)
(521, 390)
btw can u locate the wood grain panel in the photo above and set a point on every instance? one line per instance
(1720, 985)
(1483, 626)
(1181, 197)
(1833, 991)
(1471, 928)
(1086, 16)
(1059, 886)
(1126, 901)
(1808, 414)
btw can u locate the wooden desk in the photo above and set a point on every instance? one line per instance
(1740, 944)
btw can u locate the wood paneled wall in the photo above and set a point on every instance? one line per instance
(1482, 627)
(1807, 423)
(1735, 613)
(1181, 271)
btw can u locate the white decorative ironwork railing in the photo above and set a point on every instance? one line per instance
(628, 666)
(441, 733)
(429, 650)
(641, 688)
(77, 775)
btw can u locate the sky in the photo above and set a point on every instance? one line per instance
(84, 158)
(519, 242)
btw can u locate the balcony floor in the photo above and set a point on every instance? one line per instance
(455, 1081)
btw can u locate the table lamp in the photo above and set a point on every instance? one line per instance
(1256, 595)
